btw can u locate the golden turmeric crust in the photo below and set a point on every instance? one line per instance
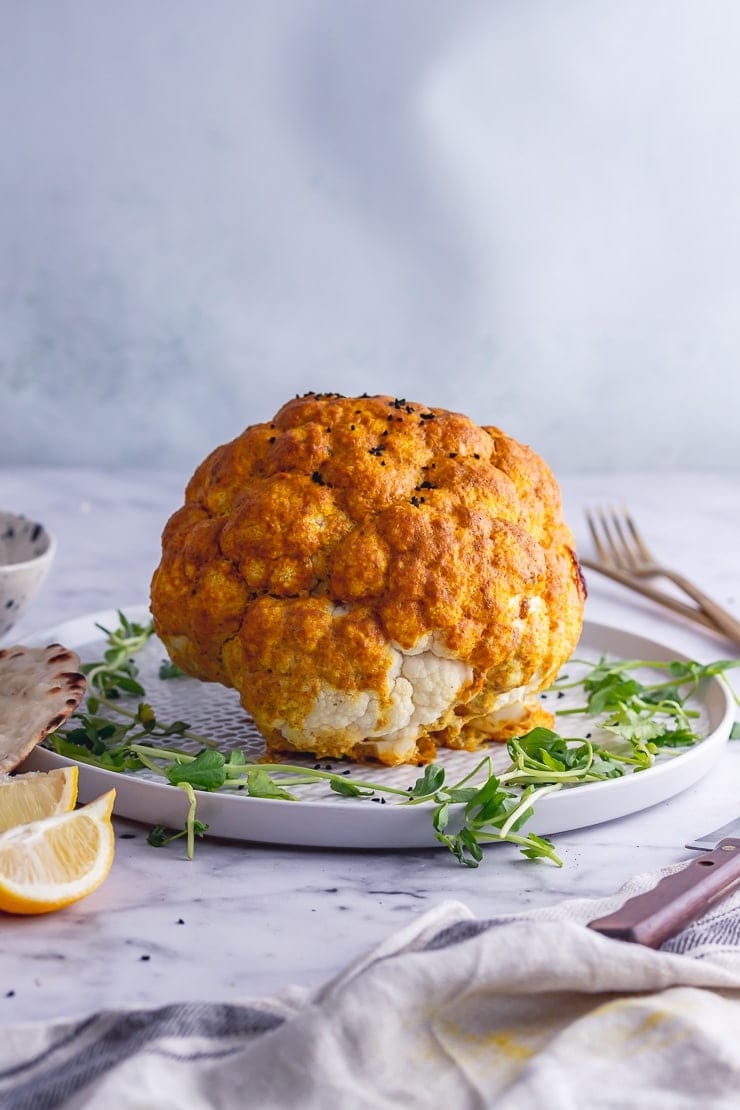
(319, 553)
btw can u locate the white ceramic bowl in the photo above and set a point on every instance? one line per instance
(26, 552)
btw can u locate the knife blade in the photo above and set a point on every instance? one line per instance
(711, 840)
(657, 914)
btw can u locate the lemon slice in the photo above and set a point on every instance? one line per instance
(51, 863)
(36, 795)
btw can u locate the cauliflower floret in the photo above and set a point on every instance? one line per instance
(422, 686)
(374, 577)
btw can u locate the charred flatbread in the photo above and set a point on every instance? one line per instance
(39, 689)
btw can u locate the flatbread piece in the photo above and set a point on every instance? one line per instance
(39, 689)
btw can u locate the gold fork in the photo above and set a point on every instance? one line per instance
(625, 556)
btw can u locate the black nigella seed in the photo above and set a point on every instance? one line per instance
(382, 462)
(272, 439)
(316, 477)
(352, 427)
(453, 454)
(375, 799)
(127, 836)
(476, 456)
(561, 694)
(144, 958)
(317, 766)
(9, 604)
(35, 533)
(588, 735)
(180, 921)
(10, 994)
(415, 502)
(382, 801)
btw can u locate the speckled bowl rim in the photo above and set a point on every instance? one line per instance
(26, 564)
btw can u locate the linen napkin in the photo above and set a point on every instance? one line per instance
(519, 1011)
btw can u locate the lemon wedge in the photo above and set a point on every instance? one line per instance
(51, 863)
(36, 795)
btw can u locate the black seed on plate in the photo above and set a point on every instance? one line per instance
(144, 958)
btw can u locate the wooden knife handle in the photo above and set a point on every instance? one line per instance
(652, 917)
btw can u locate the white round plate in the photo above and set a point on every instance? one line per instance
(322, 818)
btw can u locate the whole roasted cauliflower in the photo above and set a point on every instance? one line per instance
(374, 577)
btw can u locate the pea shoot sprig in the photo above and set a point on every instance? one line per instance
(642, 719)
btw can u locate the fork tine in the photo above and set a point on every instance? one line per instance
(610, 530)
(628, 555)
(641, 545)
(600, 548)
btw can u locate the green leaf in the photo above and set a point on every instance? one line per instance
(206, 772)
(260, 785)
(441, 817)
(167, 669)
(735, 731)
(538, 847)
(348, 789)
(177, 728)
(161, 835)
(430, 781)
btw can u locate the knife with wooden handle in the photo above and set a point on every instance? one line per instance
(660, 913)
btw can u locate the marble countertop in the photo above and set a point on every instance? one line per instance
(243, 921)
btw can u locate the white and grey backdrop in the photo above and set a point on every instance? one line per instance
(528, 210)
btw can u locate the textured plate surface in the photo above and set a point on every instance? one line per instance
(322, 818)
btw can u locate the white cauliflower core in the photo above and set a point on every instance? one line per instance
(423, 682)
